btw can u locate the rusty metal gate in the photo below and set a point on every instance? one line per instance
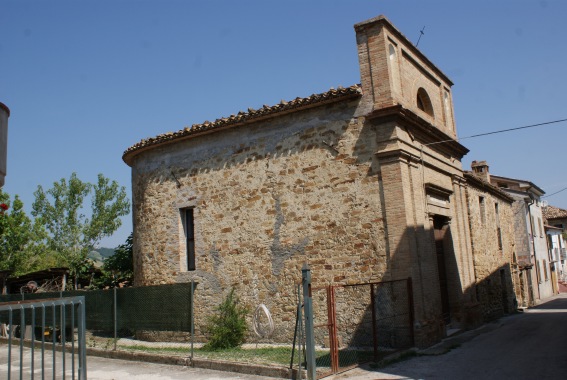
(361, 322)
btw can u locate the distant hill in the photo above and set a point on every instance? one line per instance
(99, 255)
(105, 252)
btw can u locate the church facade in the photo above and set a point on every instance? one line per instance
(363, 184)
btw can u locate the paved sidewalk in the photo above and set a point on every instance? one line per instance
(100, 368)
(114, 369)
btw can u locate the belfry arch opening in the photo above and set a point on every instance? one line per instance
(424, 102)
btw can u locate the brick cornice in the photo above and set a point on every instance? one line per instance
(397, 155)
(428, 134)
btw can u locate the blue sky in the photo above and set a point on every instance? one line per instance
(84, 80)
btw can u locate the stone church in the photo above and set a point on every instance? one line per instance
(363, 183)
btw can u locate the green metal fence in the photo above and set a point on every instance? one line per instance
(155, 308)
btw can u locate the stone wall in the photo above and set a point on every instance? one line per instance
(267, 198)
(492, 235)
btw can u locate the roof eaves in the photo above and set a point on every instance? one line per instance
(241, 118)
(531, 184)
(488, 186)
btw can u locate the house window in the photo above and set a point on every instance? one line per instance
(189, 229)
(538, 271)
(540, 227)
(545, 270)
(424, 102)
(482, 206)
(498, 229)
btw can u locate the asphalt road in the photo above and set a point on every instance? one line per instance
(530, 345)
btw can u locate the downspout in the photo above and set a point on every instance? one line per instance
(532, 227)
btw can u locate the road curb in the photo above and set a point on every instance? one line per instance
(218, 365)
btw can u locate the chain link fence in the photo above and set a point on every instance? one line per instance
(353, 324)
(160, 320)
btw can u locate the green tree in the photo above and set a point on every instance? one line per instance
(118, 268)
(70, 233)
(21, 250)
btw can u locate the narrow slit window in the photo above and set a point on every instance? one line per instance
(498, 229)
(482, 205)
(189, 238)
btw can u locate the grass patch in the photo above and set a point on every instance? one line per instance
(260, 355)
(264, 355)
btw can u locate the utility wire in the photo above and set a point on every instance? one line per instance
(557, 192)
(501, 131)
(508, 130)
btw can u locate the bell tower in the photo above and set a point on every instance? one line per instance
(394, 72)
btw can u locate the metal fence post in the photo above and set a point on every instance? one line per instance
(309, 334)
(192, 317)
(115, 319)
(82, 326)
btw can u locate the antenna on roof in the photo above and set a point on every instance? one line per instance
(421, 33)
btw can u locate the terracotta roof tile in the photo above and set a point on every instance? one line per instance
(244, 117)
(550, 212)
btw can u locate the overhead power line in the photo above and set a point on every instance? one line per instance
(513, 129)
(508, 130)
(500, 131)
(557, 192)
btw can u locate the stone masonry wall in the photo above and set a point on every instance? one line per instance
(267, 198)
(494, 289)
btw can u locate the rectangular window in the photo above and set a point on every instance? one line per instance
(540, 227)
(189, 226)
(498, 229)
(545, 270)
(482, 210)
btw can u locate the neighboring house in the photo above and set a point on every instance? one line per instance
(363, 183)
(556, 220)
(4, 114)
(490, 213)
(533, 269)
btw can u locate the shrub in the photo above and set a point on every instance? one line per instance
(227, 328)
